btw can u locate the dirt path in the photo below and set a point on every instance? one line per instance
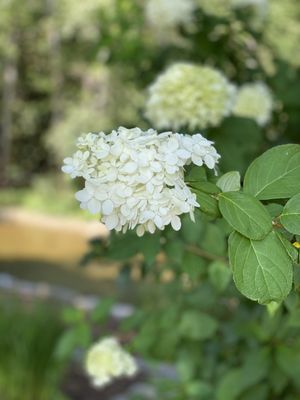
(28, 235)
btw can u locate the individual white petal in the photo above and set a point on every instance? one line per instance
(129, 168)
(94, 206)
(197, 160)
(172, 144)
(107, 207)
(140, 230)
(156, 166)
(209, 161)
(111, 221)
(67, 169)
(171, 169)
(82, 195)
(176, 223)
(183, 153)
(150, 187)
(171, 159)
(100, 194)
(158, 222)
(151, 226)
(90, 187)
(68, 160)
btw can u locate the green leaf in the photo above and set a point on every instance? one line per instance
(174, 250)
(297, 277)
(275, 174)
(259, 392)
(206, 196)
(290, 249)
(80, 335)
(206, 187)
(219, 275)
(197, 325)
(237, 380)
(214, 240)
(262, 270)
(193, 265)
(274, 209)
(208, 204)
(199, 390)
(245, 214)
(192, 231)
(102, 311)
(290, 217)
(149, 245)
(238, 139)
(288, 360)
(230, 182)
(195, 174)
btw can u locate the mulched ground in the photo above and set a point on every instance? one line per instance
(76, 386)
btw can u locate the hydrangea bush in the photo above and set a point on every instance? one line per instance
(210, 214)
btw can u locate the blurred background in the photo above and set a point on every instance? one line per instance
(69, 67)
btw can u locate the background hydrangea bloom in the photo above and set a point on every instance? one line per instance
(224, 8)
(216, 8)
(169, 13)
(106, 360)
(187, 95)
(135, 179)
(254, 100)
(282, 30)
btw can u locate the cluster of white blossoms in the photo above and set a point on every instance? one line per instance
(107, 360)
(282, 30)
(216, 8)
(188, 95)
(224, 8)
(168, 14)
(254, 100)
(135, 179)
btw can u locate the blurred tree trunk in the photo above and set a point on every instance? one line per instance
(9, 83)
(54, 41)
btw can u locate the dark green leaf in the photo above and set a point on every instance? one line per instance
(206, 196)
(195, 174)
(208, 204)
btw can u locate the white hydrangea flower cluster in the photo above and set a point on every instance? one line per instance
(168, 14)
(135, 178)
(188, 95)
(254, 100)
(106, 360)
(282, 30)
(225, 8)
(216, 8)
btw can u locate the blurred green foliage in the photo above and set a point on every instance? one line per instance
(29, 367)
(64, 74)
(70, 67)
